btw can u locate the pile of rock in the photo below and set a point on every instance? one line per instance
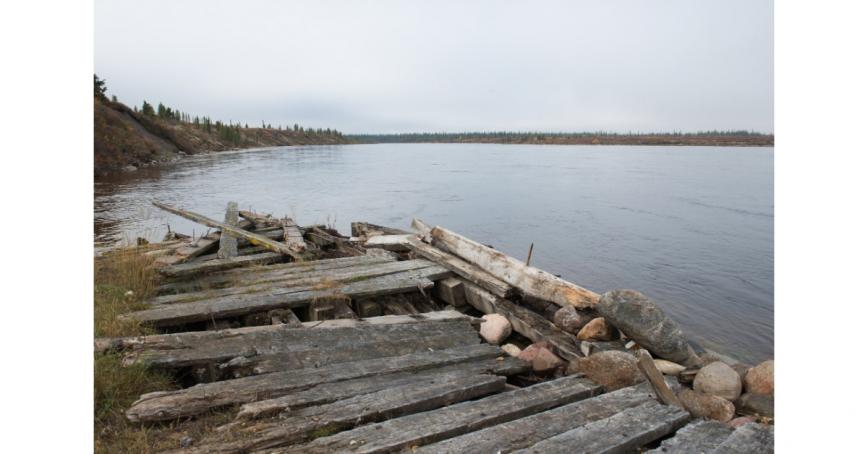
(624, 321)
(720, 391)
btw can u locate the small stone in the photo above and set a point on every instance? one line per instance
(668, 367)
(718, 379)
(571, 320)
(741, 420)
(511, 350)
(129, 294)
(611, 369)
(598, 329)
(761, 379)
(756, 405)
(130, 168)
(495, 328)
(530, 352)
(545, 362)
(186, 441)
(641, 320)
(702, 405)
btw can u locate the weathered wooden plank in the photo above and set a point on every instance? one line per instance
(394, 243)
(664, 394)
(247, 250)
(253, 238)
(194, 268)
(168, 405)
(435, 425)
(524, 432)
(422, 395)
(250, 276)
(313, 280)
(458, 266)
(260, 220)
(239, 305)
(751, 437)
(188, 340)
(528, 323)
(228, 243)
(307, 347)
(700, 436)
(329, 347)
(330, 392)
(530, 280)
(623, 432)
(292, 235)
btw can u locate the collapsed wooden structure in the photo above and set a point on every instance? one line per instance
(325, 343)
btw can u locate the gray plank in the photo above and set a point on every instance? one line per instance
(428, 427)
(228, 243)
(249, 276)
(524, 432)
(620, 433)
(162, 406)
(700, 436)
(220, 264)
(260, 284)
(751, 437)
(421, 395)
(330, 392)
(238, 305)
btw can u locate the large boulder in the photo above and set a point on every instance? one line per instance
(571, 320)
(641, 320)
(718, 379)
(756, 405)
(761, 379)
(598, 329)
(702, 405)
(611, 369)
(495, 328)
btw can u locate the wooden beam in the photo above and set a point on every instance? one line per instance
(458, 266)
(292, 235)
(220, 264)
(531, 281)
(331, 392)
(394, 243)
(169, 405)
(253, 238)
(658, 383)
(414, 430)
(414, 397)
(524, 432)
(228, 243)
(626, 431)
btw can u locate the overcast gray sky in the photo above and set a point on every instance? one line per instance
(400, 66)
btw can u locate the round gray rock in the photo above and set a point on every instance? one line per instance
(641, 320)
(718, 379)
(761, 379)
(571, 320)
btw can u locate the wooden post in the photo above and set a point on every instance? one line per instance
(529, 253)
(658, 384)
(228, 243)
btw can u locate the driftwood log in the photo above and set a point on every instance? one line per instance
(530, 280)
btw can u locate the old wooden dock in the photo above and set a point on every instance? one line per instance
(318, 342)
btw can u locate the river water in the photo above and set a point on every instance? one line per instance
(691, 227)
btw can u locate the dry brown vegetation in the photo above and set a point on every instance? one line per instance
(115, 386)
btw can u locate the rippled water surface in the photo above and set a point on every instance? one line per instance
(692, 227)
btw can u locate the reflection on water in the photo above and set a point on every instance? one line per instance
(692, 227)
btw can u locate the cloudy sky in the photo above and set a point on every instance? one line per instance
(400, 66)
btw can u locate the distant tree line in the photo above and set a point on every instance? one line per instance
(507, 136)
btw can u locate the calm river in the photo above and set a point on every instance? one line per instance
(691, 227)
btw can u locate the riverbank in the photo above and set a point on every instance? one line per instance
(128, 139)
(305, 337)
